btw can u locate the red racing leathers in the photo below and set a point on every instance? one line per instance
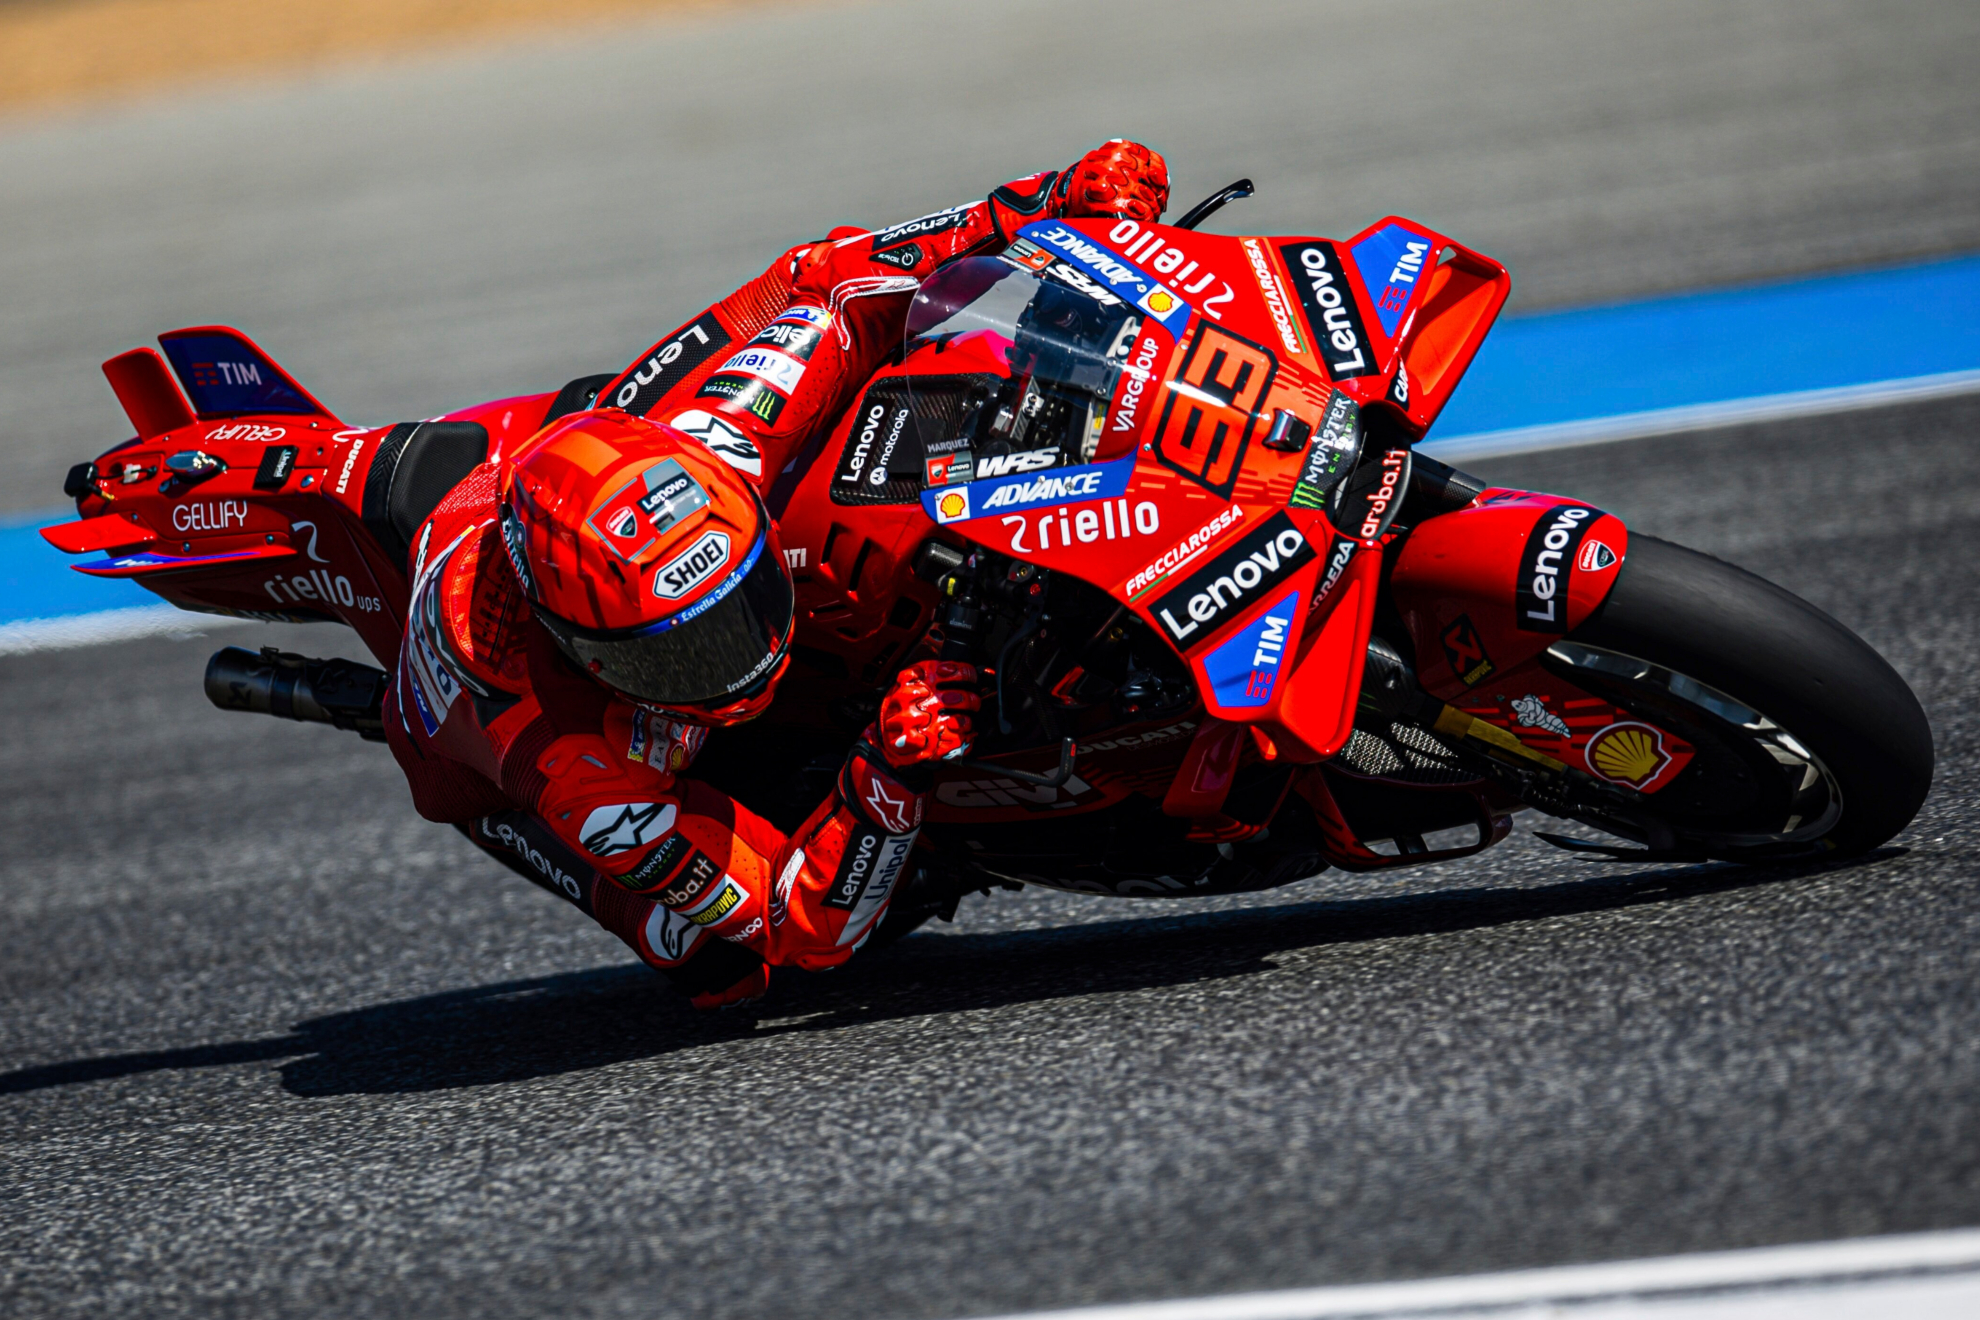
(588, 793)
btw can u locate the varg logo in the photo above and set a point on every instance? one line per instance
(1225, 586)
(693, 566)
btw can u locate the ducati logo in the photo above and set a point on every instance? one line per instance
(625, 524)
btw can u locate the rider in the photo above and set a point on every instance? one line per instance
(585, 610)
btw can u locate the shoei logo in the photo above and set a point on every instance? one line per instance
(693, 566)
(624, 826)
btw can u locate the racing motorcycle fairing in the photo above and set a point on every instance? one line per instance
(243, 495)
(1488, 588)
(225, 374)
(1167, 416)
(1486, 591)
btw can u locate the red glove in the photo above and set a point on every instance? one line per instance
(1119, 180)
(925, 716)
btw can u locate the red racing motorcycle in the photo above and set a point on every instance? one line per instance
(1161, 486)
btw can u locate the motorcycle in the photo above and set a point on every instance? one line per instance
(1162, 487)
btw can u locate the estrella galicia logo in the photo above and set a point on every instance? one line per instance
(1324, 296)
(1546, 566)
(1226, 586)
(791, 337)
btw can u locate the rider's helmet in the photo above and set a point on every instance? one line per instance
(653, 564)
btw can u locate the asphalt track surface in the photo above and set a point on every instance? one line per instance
(271, 1045)
(274, 1046)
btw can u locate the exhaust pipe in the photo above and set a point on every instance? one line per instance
(342, 693)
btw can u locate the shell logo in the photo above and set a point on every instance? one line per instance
(953, 504)
(1161, 302)
(1631, 754)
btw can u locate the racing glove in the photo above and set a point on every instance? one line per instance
(924, 719)
(1118, 180)
(925, 716)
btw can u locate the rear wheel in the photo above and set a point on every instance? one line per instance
(1807, 741)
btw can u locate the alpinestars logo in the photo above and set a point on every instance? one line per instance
(720, 438)
(1546, 567)
(622, 827)
(1226, 586)
(896, 809)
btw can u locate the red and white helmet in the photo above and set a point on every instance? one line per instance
(653, 564)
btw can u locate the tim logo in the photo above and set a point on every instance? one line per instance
(1212, 407)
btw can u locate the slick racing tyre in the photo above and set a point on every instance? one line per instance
(1806, 741)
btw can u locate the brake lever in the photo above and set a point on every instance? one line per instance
(1056, 779)
(1210, 205)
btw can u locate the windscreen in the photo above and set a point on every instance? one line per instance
(1057, 344)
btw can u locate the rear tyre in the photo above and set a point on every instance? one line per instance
(1808, 740)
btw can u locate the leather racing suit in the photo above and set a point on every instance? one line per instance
(589, 794)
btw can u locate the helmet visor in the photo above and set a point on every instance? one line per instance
(709, 653)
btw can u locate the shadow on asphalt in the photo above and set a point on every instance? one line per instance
(548, 1025)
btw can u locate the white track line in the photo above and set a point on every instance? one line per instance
(1662, 1280)
(27, 636)
(1700, 417)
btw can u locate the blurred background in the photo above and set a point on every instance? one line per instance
(414, 206)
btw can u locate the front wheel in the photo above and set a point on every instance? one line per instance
(1806, 740)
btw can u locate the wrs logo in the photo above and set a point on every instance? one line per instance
(1212, 407)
